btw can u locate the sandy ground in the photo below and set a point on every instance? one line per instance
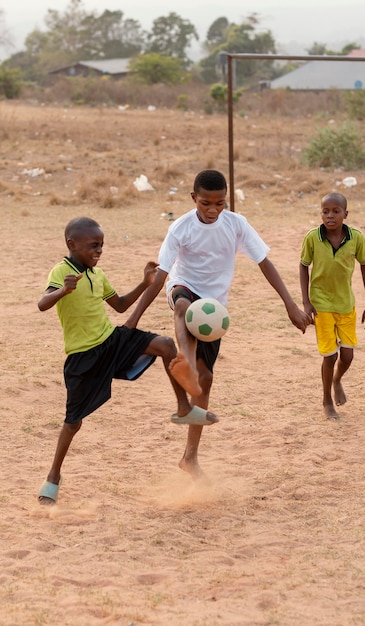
(278, 536)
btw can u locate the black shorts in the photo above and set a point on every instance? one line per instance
(206, 350)
(88, 375)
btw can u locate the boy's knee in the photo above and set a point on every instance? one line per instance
(168, 347)
(347, 356)
(73, 427)
(330, 360)
(206, 380)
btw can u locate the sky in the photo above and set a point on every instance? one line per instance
(295, 24)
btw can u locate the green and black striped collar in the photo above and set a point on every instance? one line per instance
(77, 266)
(322, 233)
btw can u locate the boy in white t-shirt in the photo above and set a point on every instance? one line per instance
(198, 257)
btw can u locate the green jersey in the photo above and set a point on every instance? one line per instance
(82, 313)
(331, 276)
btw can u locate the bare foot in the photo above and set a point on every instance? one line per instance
(340, 396)
(184, 375)
(193, 468)
(330, 412)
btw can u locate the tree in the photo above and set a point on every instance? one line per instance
(171, 36)
(349, 47)
(65, 30)
(317, 49)
(108, 36)
(320, 49)
(76, 35)
(216, 34)
(5, 38)
(158, 68)
(241, 38)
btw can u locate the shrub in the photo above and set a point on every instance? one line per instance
(355, 104)
(219, 93)
(10, 83)
(182, 102)
(332, 147)
(157, 68)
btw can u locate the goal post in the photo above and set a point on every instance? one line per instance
(230, 57)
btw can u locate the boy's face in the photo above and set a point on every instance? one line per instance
(333, 213)
(209, 204)
(86, 249)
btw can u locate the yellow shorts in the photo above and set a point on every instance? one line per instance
(335, 331)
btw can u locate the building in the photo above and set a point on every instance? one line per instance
(117, 68)
(320, 75)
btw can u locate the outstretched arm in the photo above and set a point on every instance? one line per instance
(51, 296)
(122, 303)
(304, 285)
(148, 297)
(363, 280)
(299, 318)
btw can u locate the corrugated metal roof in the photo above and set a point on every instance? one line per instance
(108, 66)
(111, 67)
(319, 75)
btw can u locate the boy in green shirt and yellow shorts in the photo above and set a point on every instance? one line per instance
(328, 297)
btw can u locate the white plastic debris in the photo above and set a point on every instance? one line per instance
(33, 173)
(349, 181)
(240, 195)
(170, 216)
(141, 183)
(151, 107)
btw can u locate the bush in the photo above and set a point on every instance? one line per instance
(155, 68)
(340, 147)
(10, 83)
(219, 93)
(355, 104)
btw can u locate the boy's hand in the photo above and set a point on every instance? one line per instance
(299, 318)
(311, 311)
(150, 272)
(70, 282)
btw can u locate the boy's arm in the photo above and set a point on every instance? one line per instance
(148, 297)
(363, 280)
(122, 303)
(304, 285)
(299, 318)
(52, 295)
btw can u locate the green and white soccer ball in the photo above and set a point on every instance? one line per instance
(207, 319)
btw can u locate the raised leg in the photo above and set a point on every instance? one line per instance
(184, 367)
(165, 347)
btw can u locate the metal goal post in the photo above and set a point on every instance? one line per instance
(230, 57)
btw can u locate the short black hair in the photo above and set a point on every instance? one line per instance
(78, 226)
(210, 180)
(339, 197)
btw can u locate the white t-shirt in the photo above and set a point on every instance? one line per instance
(202, 256)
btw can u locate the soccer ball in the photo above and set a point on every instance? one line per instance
(207, 319)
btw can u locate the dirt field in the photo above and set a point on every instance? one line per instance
(278, 536)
